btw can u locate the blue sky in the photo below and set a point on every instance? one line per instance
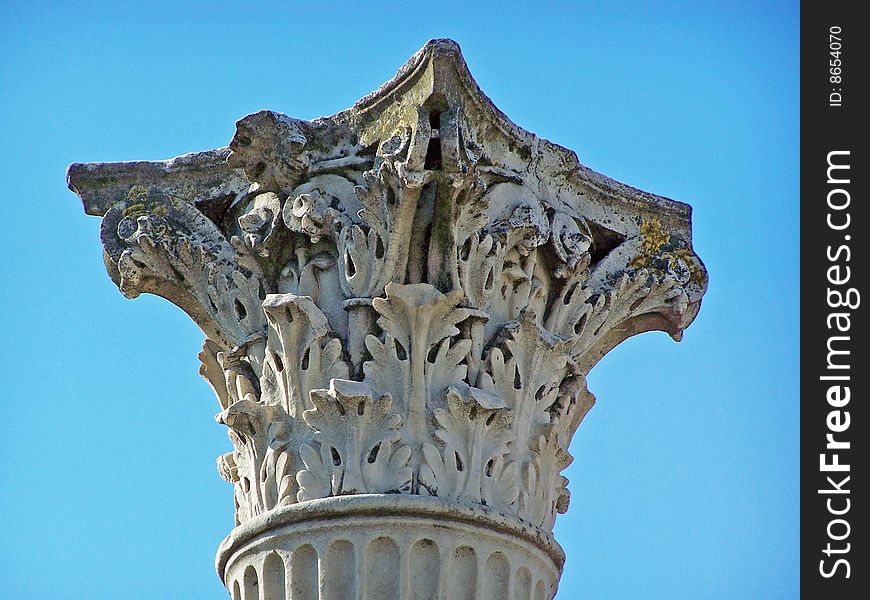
(685, 481)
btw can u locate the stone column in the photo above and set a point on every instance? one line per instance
(401, 304)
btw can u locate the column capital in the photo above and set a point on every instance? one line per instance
(404, 298)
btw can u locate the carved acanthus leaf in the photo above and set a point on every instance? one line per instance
(545, 489)
(167, 247)
(525, 368)
(357, 435)
(632, 295)
(301, 355)
(376, 253)
(261, 434)
(518, 288)
(417, 359)
(212, 371)
(479, 267)
(475, 430)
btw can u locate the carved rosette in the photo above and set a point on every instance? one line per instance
(404, 298)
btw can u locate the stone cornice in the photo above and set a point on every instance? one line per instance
(206, 174)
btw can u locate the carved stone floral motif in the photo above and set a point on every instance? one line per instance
(404, 298)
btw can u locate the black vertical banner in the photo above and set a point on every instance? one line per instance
(835, 299)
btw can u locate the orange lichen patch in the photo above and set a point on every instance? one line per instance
(654, 237)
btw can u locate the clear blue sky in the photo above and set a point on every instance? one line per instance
(685, 483)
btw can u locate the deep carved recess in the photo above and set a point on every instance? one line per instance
(403, 298)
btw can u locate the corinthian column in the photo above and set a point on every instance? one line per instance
(401, 304)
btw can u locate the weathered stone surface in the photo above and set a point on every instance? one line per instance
(404, 298)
